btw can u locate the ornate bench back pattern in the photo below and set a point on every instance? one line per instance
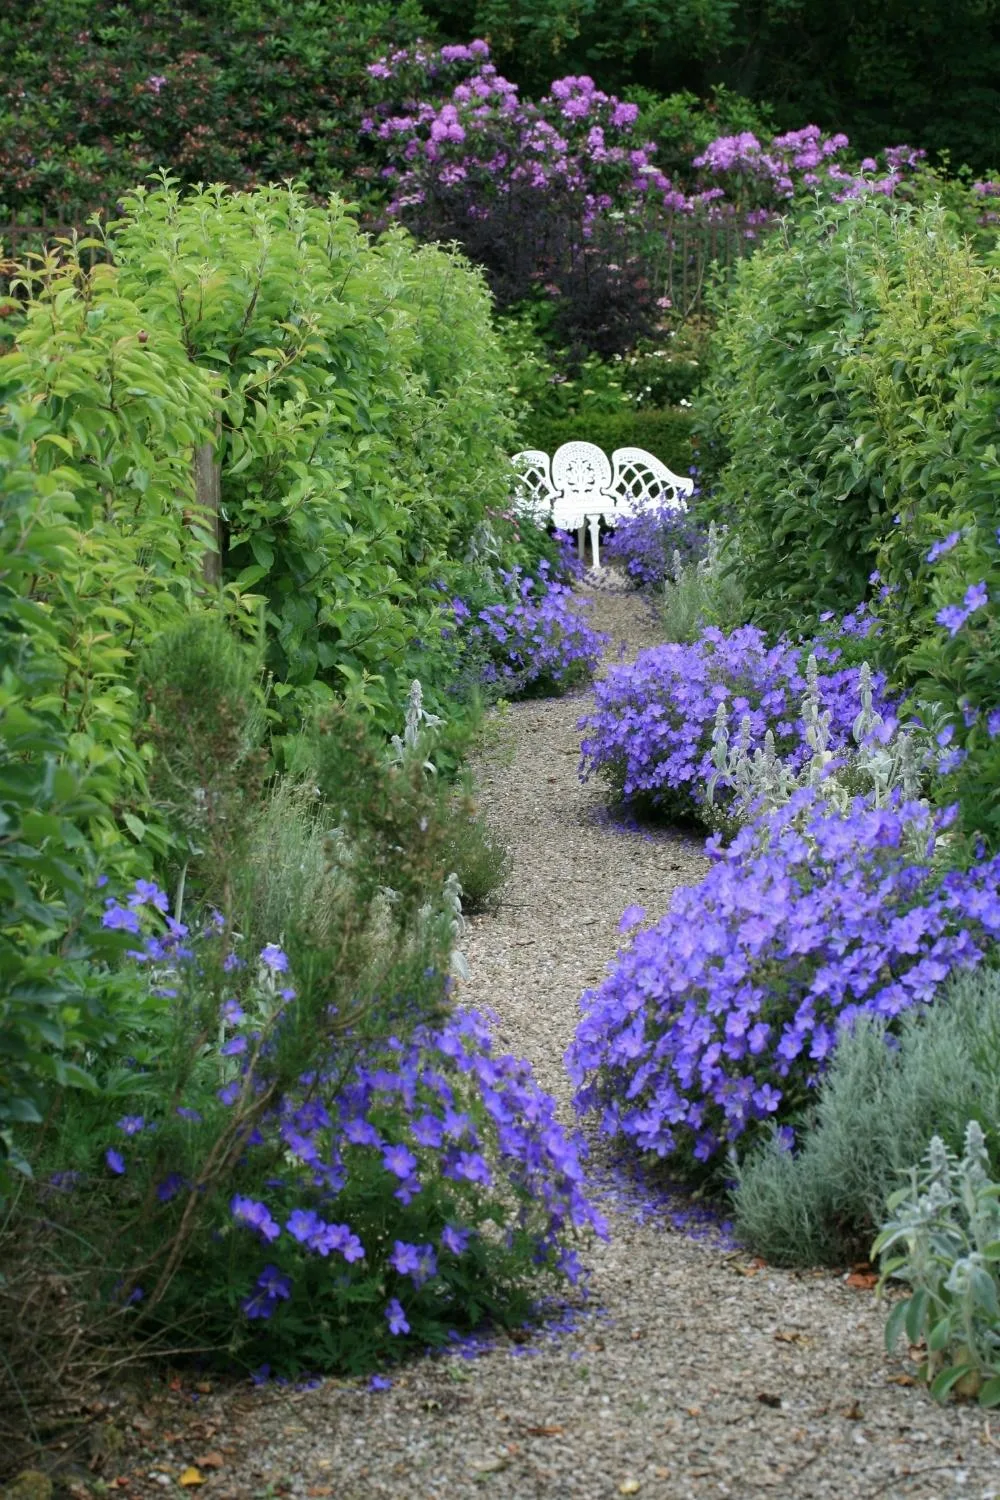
(580, 485)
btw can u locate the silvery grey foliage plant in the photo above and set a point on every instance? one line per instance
(886, 761)
(418, 720)
(943, 1239)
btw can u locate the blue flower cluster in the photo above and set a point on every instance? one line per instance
(723, 1015)
(536, 637)
(651, 734)
(645, 544)
(429, 1128)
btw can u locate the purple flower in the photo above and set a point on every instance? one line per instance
(454, 1240)
(301, 1224)
(115, 1161)
(651, 735)
(131, 1124)
(405, 1258)
(724, 1014)
(171, 1185)
(274, 1283)
(940, 548)
(954, 616)
(120, 918)
(381, 1382)
(631, 917)
(399, 1161)
(255, 1216)
(273, 958)
(396, 1317)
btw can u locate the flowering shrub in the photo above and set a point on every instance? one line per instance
(645, 543)
(536, 638)
(563, 195)
(721, 1017)
(342, 1181)
(651, 734)
(800, 160)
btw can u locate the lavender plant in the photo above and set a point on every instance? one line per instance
(720, 1018)
(945, 1229)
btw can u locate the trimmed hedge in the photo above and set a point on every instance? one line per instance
(663, 431)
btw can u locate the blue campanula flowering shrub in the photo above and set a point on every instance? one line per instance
(651, 734)
(406, 1181)
(722, 1016)
(535, 639)
(645, 544)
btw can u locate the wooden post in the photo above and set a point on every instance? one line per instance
(208, 494)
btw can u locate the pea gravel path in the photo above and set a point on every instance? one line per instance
(688, 1370)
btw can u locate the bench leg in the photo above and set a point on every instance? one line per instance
(595, 531)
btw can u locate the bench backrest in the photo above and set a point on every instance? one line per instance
(580, 482)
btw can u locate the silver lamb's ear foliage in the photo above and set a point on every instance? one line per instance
(941, 1240)
(483, 547)
(414, 741)
(720, 749)
(453, 906)
(677, 566)
(869, 719)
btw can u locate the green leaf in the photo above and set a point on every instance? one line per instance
(895, 1323)
(947, 1379)
(135, 826)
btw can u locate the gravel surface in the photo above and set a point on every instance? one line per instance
(688, 1369)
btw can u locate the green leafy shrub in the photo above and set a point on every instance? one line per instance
(363, 426)
(854, 392)
(204, 722)
(53, 996)
(100, 421)
(313, 1102)
(667, 370)
(878, 1107)
(946, 1223)
(777, 400)
(666, 433)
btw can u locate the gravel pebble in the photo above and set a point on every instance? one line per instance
(687, 1369)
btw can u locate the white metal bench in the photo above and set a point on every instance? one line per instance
(581, 484)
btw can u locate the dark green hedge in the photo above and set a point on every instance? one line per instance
(663, 431)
